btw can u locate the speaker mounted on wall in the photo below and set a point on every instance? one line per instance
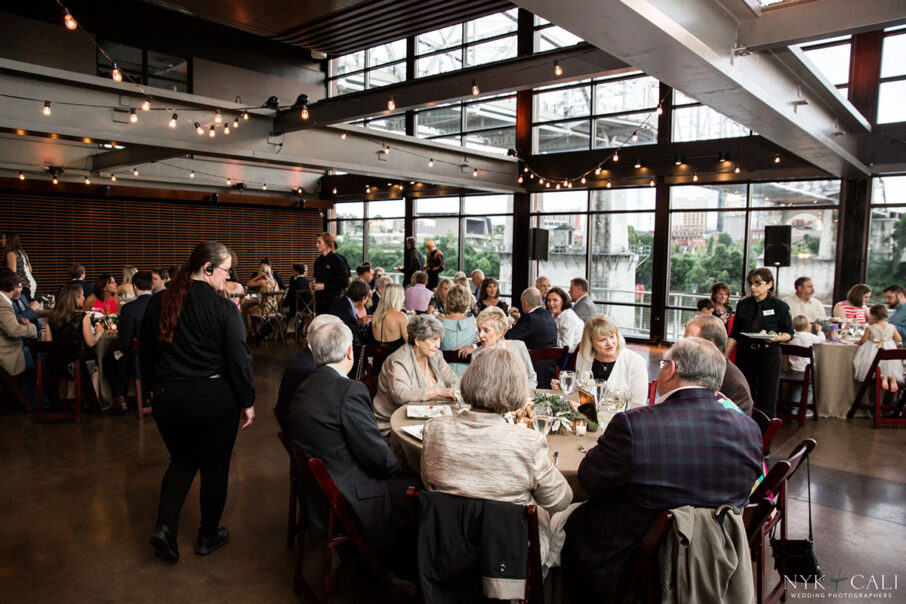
(777, 242)
(538, 243)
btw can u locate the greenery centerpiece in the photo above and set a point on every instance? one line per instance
(564, 414)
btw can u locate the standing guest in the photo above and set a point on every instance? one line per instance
(537, 329)
(459, 329)
(803, 301)
(12, 330)
(879, 335)
(489, 295)
(477, 280)
(125, 292)
(492, 327)
(418, 296)
(298, 284)
(805, 338)
(77, 274)
(331, 273)
(583, 305)
(157, 282)
(351, 310)
(569, 325)
(734, 385)
(129, 327)
(165, 276)
(759, 359)
(460, 449)
(895, 297)
(434, 264)
(413, 261)
(69, 323)
(704, 307)
(543, 284)
(438, 302)
(641, 466)
(18, 262)
(603, 352)
(388, 327)
(720, 295)
(330, 417)
(299, 368)
(365, 273)
(855, 307)
(195, 359)
(415, 372)
(103, 299)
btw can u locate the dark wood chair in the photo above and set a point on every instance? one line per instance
(292, 514)
(372, 385)
(558, 355)
(372, 358)
(142, 399)
(802, 379)
(304, 478)
(343, 529)
(874, 377)
(774, 486)
(643, 567)
(452, 356)
(534, 578)
(64, 353)
(652, 392)
(11, 383)
(769, 428)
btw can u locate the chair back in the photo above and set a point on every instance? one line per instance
(550, 354)
(769, 428)
(782, 470)
(63, 353)
(452, 356)
(754, 515)
(796, 351)
(374, 355)
(372, 385)
(643, 567)
(652, 392)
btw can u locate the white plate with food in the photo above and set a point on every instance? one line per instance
(427, 411)
(760, 335)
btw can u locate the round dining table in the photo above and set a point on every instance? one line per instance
(570, 448)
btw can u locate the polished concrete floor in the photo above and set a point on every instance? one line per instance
(78, 503)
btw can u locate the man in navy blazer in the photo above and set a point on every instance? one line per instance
(120, 360)
(537, 329)
(346, 307)
(688, 449)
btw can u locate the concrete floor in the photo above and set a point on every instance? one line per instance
(78, 503)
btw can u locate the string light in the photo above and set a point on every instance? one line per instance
(199, 129)
(540, 181)
(173, 120)
(475, 89)
(583, 181)
(558, 186)
(229, 181)
(475, 173)
(334, 191)
(226, 128)
(264, 187)
(391, 104)
(212, 132)
(68, 20)
(116, 74)
(54, 180)
(87, 181)
(635, 137)
(343, 136)
(304, 113)
(133, 117)
(695, 178)
(431, 162)
(367, 189)
(616, 156)
(235, 123)
(134, 171)
(737, 170)
(520, 180)
(386, 149)
(146, 104)
(598, 171)
(46, 110)
(299, 191)
(651, 182)
(218, 117)
(21, 176)
(532, 176)
(245, 115)
(113, 178)
(558, 71)
(777, 159)
(548, 185)
(638, 164)
(192, 174)
(660, 109)
(609, 184)
(525, 169)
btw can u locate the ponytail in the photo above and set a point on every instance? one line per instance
(173, 298)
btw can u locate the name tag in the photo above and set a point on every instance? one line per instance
(767, 313)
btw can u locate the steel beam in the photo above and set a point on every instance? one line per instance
(522, 73)
(689, 44)
(110, 161)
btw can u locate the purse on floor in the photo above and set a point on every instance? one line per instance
(801, 563)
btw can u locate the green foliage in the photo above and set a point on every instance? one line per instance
(883, 271)
(695, 270)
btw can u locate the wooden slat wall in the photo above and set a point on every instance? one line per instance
(106, 234)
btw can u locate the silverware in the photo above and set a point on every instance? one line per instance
(556, 458)
(582, 449)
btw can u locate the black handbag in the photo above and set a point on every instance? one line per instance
(801, 563)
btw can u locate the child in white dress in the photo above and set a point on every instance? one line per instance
(805, 338)
(879, 334)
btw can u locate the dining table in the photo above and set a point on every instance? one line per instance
(835, 383)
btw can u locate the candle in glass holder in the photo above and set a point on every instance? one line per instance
(581, 427)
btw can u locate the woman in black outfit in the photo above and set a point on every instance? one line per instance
(195, 358)
(331, 273)
(759, 359)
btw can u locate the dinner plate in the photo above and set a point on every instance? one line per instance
(759, 336)
(427, 411)
(414, 431)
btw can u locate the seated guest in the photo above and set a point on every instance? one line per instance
(477, 280)
(460, 450)
(388, 324)
(278, 279)
(157, 282)
(438, 302)
(298, 283)
(734, 386)
(415, 372)
(300, 367)
(492, 327)
(459, 330)
(418, 296)
(569, 325)
(12, 330)
(232, 288)
(378, 272)
(603, 352)
(459, 278)
(69, 323)
(351, 310)
(855, 308)
(705, 306)
(265, 283)
(124, 291)
(895, 297)
(379, 284)
(120, 360)
(642, 465)
(103, 299)
(583, 305)
(543, 285)
(489, 295)
(803, 302)
(537, 329)
(720, 295)
(330, 417)
(365, 273)
(77, 274)
(804, 337)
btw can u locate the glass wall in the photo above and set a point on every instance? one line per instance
(893, 78)
(484, 40)
(488, 124)
(693, 121)
(370, 68)
(887, 235)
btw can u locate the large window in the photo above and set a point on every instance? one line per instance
(693, 121)
(146, 67)
(372, 68)
(887, 238)
(831, 59)
(549, 36)
(893, 78)
(484, 40)
(488, 124)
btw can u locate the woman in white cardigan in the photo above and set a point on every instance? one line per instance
(492, 327)
(603, 352)
(569, 325)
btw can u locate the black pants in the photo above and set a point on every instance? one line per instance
(761, 366)
(433, 279)
(198, 419)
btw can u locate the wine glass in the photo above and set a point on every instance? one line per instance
(542, 418)
(583, 378)
(568, 382)
(610, 401)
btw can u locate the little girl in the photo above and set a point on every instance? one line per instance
(879, 334)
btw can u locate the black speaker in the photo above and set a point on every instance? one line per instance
(538, 243)
(777, 245)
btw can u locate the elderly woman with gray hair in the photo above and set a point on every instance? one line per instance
(461, 452)
(415, 372)
(492, 327)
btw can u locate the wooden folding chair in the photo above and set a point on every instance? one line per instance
(11, 383)
(774, 486)
(551, 354)
(452, 356)
(874, 375)
(142, 398)
(64, 352)
(534, 578)
(643, 567)
(372, 385)
(294, 504)
(802, 379)
(373, 356)
(652, 392)
(769, 428)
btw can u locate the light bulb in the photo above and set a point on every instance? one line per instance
(616, 156)
(678, 161)
(116, 74)
(431, 163)
(343, 136)
(229, 181)
(226, 128)
(475, 173)
(583, 181)
(304, 113)
(525, 169)
(737, 170)
(532, 176)
(558, 71)
(367, 189)
(598, 171)
(777, 159)
(235, 123)
(21, 176)
(660, 109)
(69, 21)
(218, 117)
(386, 149)
(245, 115)
(638, 164)
(475, 89)
(558, 186)
(87, 181)
(391, 104)
(134, 171)
(540, 181)
(334, 191)
(46, 110)
(146, 104)
(55, 181)
(635, 137)
(695, 178)
(199, 129)
(651, 183)
(113, 178)
(609, 184)
(569, 185)
(133, 118)
(173, 120)
(299, 191)
(212, 132)
(264, 187)
(548, 185)
(519, 180)
(192, 174)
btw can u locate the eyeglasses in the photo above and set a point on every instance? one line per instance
(664, 362)
(757, 283)
(226, 270)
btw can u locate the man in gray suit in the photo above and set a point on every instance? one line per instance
(583, 305)
(734, 386)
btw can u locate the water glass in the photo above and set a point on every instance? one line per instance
(542, 419)
(568, 382)
(583, 378)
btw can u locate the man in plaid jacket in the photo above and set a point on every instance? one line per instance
(688, 449)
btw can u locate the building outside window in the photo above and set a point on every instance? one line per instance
(893, 77)
(146, 67)
(887, 234)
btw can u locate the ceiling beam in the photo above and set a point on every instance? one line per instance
(803, 22)
(579, 62)
(688, 44)
(110, 161)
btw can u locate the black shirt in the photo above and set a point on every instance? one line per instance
(601, 370)
(771, 314)
(209, 340)
(332, 271)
